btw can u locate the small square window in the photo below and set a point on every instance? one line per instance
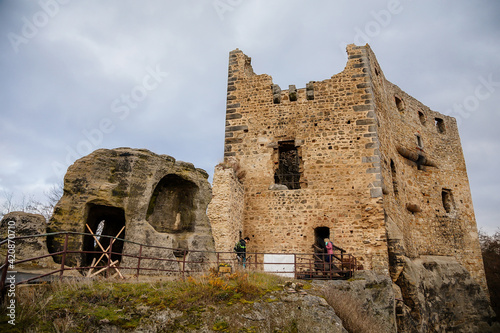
(421, 117)
(441, 128)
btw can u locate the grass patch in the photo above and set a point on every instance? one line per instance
(88, 304)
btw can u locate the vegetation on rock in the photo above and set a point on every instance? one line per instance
(88, 305)
(490, 248)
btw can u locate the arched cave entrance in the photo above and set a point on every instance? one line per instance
(171, 208)
(103, 220)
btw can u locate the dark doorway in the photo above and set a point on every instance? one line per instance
(104, 221)
(320, 233)
(171, 208)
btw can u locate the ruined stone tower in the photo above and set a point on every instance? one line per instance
(353, 158)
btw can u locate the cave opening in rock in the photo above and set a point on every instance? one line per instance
(171, 207)
(103, 221)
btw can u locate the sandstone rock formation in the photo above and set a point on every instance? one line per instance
(279, 313)
(17, 224)
(155, 199)
(374, 291)
(439, 295)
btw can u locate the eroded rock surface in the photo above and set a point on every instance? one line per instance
(280, 313)
(17, 224)
(374, 291)
(438, 295)
(144, 197)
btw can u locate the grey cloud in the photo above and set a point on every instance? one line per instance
(63, 81)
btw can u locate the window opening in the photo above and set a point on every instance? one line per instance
(399, 104)
(440, 125)
(421, 116)
(394, 181)
(419, 142)
(448, 202)
(288, 172)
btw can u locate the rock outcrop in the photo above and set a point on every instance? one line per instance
(144, 197)
(374, 291)
(279, 313)
(17, 224)
(437, 294)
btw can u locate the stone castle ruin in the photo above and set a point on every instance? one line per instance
(352, 158)
(355, 159)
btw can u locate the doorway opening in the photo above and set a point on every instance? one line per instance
(320, 233)
(103, 221)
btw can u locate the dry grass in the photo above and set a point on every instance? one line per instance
(81, 306)
(355, 318)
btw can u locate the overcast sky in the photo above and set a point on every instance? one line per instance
(81, 75)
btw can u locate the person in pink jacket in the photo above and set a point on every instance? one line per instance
(329, 250)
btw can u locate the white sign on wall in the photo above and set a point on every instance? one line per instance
(281, 264)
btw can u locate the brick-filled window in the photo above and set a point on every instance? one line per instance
(288, 171)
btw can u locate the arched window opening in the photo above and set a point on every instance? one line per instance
(421, 117)
(399, 104)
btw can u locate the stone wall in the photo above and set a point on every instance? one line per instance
(357, 159)
(426, 188)
(329, 126)
(225, 210)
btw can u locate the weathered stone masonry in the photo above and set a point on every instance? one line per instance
(331, 125)
(376, 170)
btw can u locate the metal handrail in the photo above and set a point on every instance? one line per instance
(304, 265)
